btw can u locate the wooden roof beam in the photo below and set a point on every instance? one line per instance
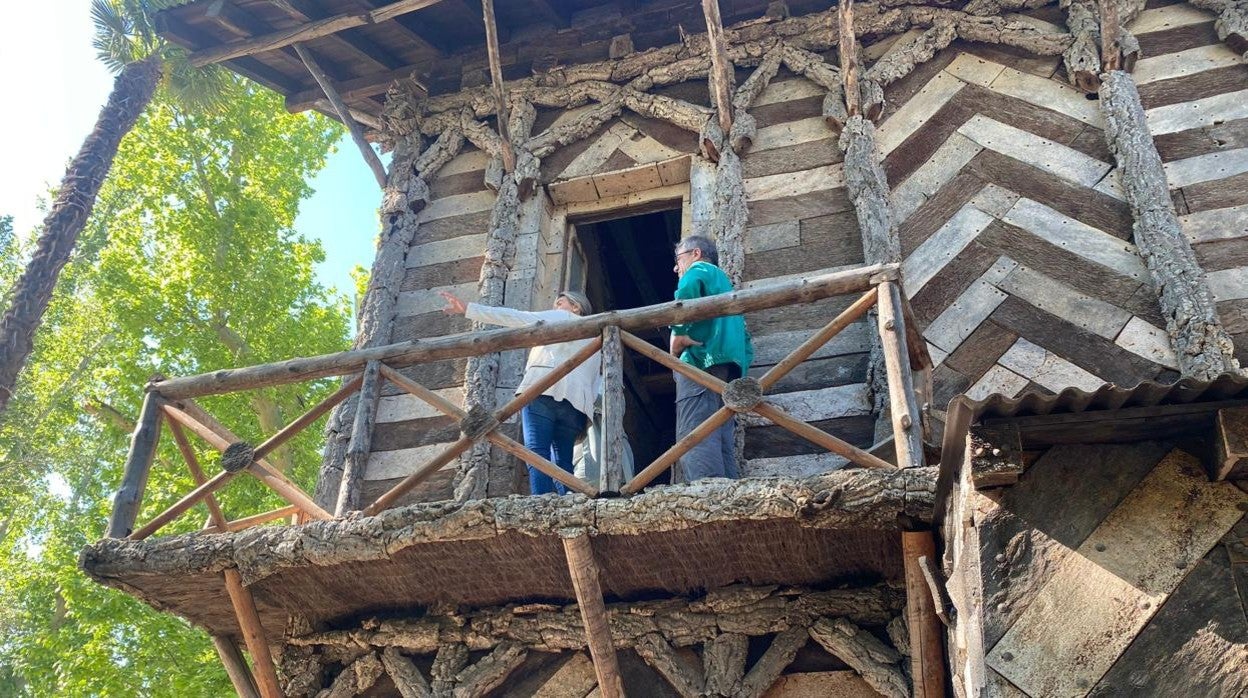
(305, 32)
(356, 88)
(357, 134)
(496, 78)
(721, 67)
(244, 24)
(311, 10)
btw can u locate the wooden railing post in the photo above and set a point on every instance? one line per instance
(907, 424)
(611, 475)
(129, 496)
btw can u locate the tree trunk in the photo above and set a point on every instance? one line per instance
(132, 91)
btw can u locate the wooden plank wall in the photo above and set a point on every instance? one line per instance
(1106, 570)
(1016, 240)
(1017, 246)
(446, 254)
(801, 222)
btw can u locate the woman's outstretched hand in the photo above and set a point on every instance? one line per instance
(454, 306)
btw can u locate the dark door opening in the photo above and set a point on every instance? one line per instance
(628, 264)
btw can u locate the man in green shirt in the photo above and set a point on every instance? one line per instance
(720, 346)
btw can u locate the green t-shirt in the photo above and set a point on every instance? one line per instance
(724, 339)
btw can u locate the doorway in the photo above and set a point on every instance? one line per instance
(621, 262)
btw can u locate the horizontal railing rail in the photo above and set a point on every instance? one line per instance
(169, 401)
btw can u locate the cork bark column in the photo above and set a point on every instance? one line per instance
(870, 196)
(406, 195)
(1203, 347)
(482, 372)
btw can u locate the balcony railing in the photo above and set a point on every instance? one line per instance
(169, 401)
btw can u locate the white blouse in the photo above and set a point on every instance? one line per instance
(581, 386)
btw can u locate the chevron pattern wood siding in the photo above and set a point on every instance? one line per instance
(1017, 243)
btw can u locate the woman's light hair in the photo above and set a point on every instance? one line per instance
(579, 300)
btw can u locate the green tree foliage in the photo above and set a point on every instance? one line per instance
(189, 263)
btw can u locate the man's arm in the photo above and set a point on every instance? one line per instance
(689, 287)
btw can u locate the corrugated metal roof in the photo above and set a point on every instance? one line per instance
(964, 412)
(1228, 386)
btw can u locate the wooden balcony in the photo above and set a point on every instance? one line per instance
(369, 558)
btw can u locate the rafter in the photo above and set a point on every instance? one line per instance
(305, 32)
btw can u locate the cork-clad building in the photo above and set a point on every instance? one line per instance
(993, 259)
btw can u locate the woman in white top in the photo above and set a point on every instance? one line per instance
(553, 421)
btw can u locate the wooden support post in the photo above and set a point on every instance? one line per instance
(721, 68)
(235, 667)
(253, 634)
(357, 134)
(1230, 435)
(847, 49)
(361, 440)
(584, 571)
(611, 474)
(129, 496)
(907, 423)
(927, 656)
(496, 79)
(1111, 55)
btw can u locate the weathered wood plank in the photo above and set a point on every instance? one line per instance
(1105, 594)
(1089, 206)
(1196, 645)
(1028, 528)
(1149, 341)
(945, 244)
(817, 405)
(971, 308)
(1230, 444)
(1196, 113)
(1184, 63)
(1093, 353)
(1081, 239)
(1038, 364)
(1210, 167)
(997, 380)
(917, 111)
(1043, 154)
(1079, 309)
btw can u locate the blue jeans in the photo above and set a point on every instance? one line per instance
(550, 430)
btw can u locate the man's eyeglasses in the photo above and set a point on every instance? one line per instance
(681, 254)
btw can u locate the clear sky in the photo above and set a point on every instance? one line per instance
(56, 88)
